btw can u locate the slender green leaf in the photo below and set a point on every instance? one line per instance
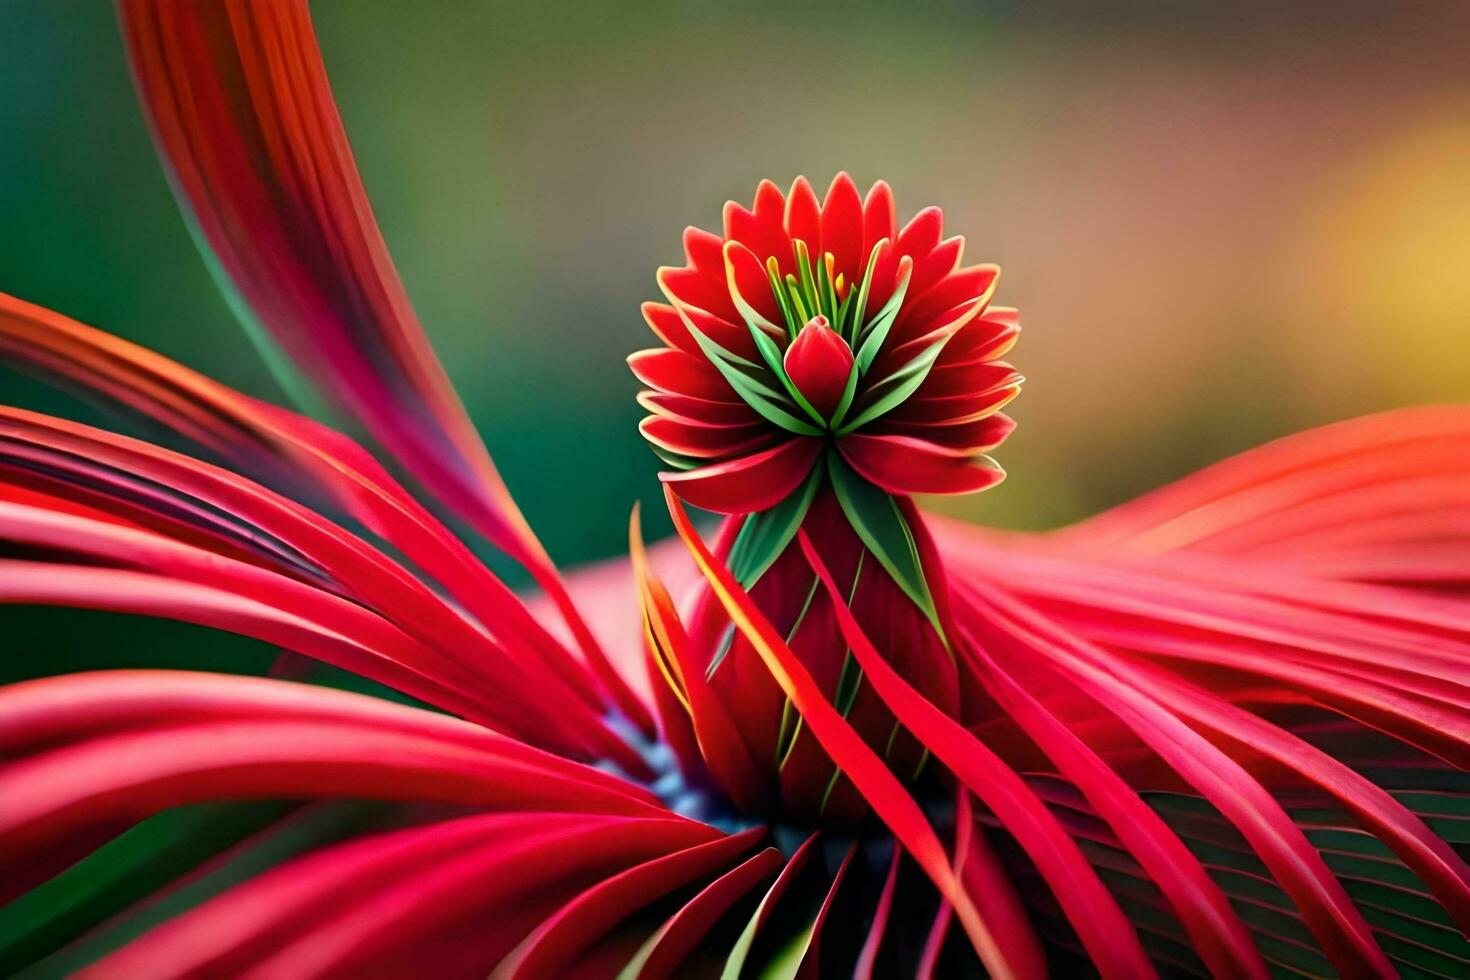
(798, 302)
(744, 377)
(125, 869)
(845, 402)
(895, 389)
(875, 333)
(861, 306)
(783, 300)
(786, 962)
(879, 522)
(807, 278)
(766, 534)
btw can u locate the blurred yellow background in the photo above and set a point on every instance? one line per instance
(1219, 226)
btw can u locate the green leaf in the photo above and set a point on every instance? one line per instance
(788, 311)
(845, 402)
(860, 309)
(798, 303)
(786, 963)
(828, 290)
(126, 869)
(895, 389)
(184, 870)
(807, 277)
(879, 522)
(727, 641)
(876, 332)
(766, 534)
(848, 683)
(790, 717)
(745, 377)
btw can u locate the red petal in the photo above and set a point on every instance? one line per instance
(668, 326)
(880, 218)
(284, 444)
(244, 117)
(973, 379)
(704, 251)
(956, 410)
(1279, 842)
(680, 373)
(761, 231)
(932, 267)
(1092, 911)
(921, 235)
(971, 438)
(688, 409)
(402, 898)
(803, 220)
(959, 287)
(990, 335)
(751, 483)
(1374, 481)
(885, 279)
(905, 465)
(705, 441)
(729, 331)
(842, 228)
(555, 945)
(1217, 933)
(748, 280)
(718, 738)
(697, 289)
(683, 932)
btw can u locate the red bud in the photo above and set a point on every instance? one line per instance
(819, 363)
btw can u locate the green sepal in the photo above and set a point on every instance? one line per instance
(766, 534)
(878, 521)
(875, 333)
(895, 389)
(744, 377)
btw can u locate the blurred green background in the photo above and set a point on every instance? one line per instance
(1219, 226)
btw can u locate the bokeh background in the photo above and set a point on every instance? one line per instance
(1221, 223)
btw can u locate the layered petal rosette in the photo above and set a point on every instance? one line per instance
(1218, 731)
(820, 334)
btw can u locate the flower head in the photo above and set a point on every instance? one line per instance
(814, 330)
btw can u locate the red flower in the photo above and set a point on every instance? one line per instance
(1219, 730)
(810, 326)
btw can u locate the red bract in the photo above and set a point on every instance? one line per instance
(1219, 730)
(814, 328)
